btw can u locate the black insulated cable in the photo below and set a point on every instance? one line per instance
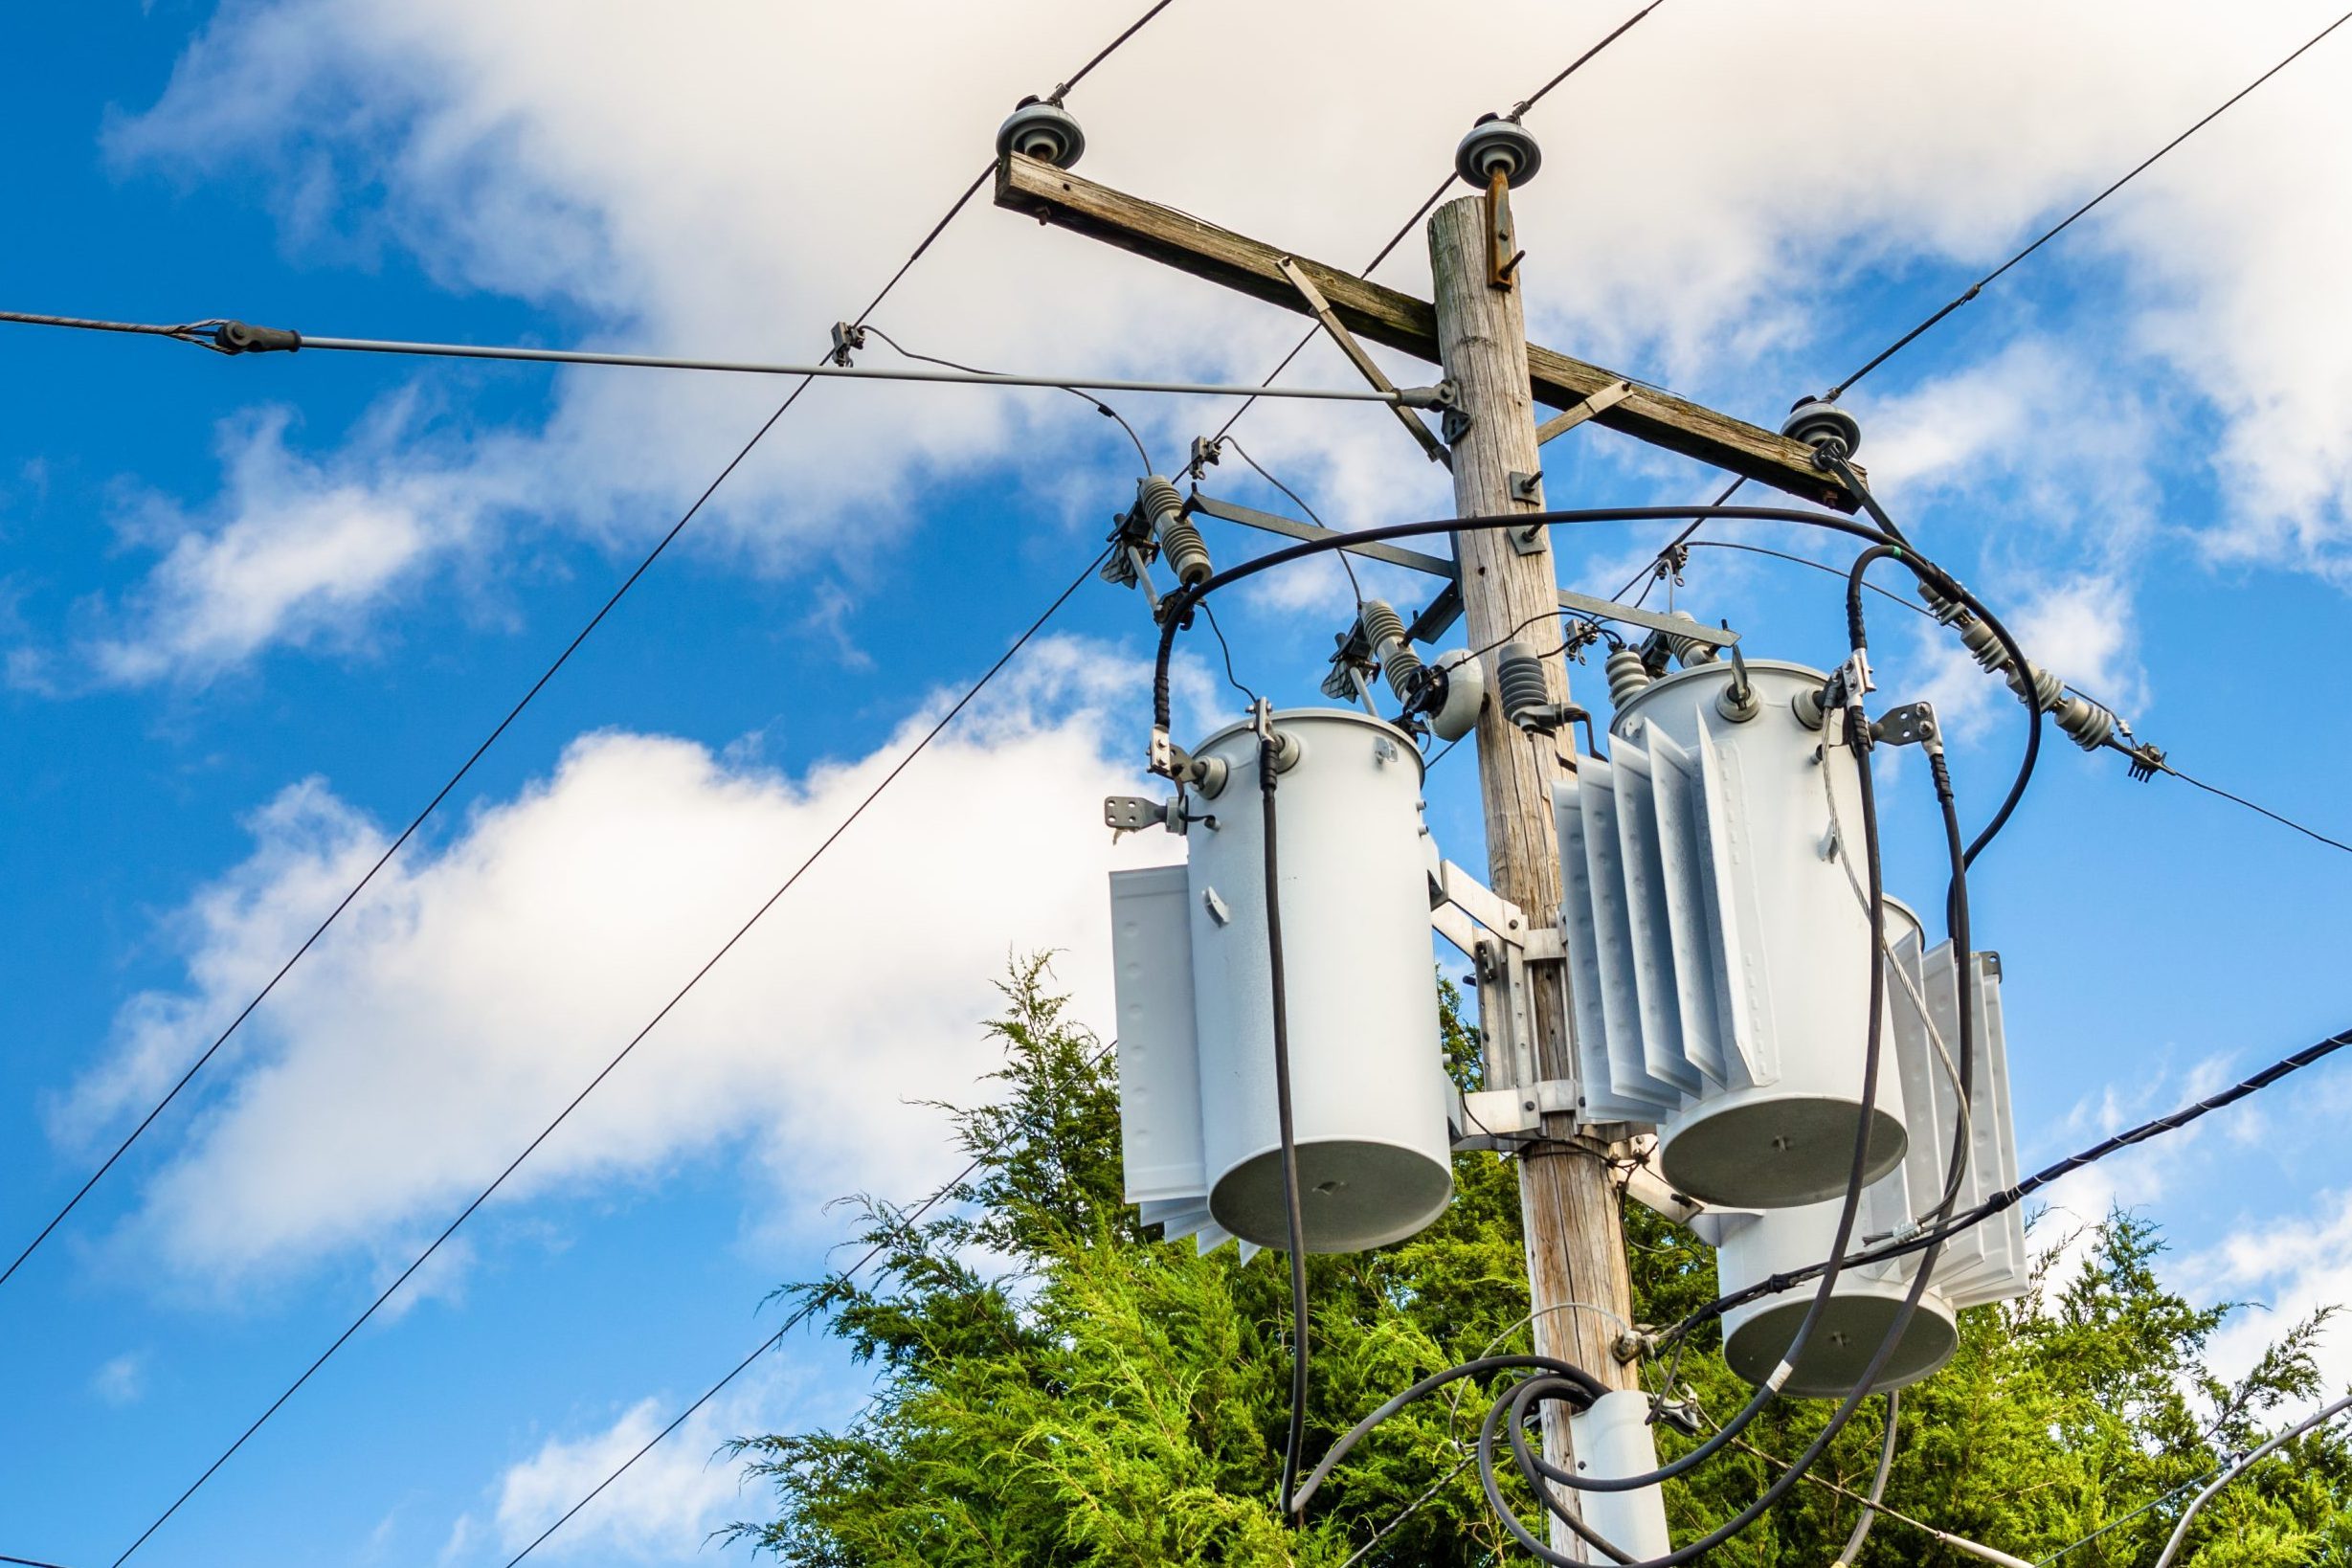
(1858, 738)
(1294, 1437)
(2009, 1196)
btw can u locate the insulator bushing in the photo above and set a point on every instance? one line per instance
(2040, 686)
(1384, 637)
(1520, 681)
(1497, 143)
(1627, 676)
(1979, 640)
(1187, 554)
(1817, 423)
(1043, 131)
(2084, 722)
(1690, 650)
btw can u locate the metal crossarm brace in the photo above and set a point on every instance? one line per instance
(1321, 308)
(1608, 398)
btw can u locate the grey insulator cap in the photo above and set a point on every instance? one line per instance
(1495, 143)
(1815, 422)
(1043, 131)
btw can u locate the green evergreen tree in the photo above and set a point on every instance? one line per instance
(1054, 1386)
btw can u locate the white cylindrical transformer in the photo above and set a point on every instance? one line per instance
(1864, 1301)
(1367, 1093)
(1796, 943)
(1861, 1309)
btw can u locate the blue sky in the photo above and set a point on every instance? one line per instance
(254, 611)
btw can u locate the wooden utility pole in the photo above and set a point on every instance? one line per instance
(1477, 330)
(1575, 1251)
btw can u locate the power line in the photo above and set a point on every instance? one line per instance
(2284, 821)
(710, 964)
(217, 335)
(2059, 228)
(2009, 1196)
(1977, 288)
(730, 943)
(2162, 765)
(1266, 388)
(467, 766)
(764, 1346)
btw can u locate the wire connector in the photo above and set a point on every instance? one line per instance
(244, 338)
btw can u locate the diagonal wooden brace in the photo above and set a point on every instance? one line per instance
(1363, 362)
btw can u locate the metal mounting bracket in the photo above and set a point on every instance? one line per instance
(1363, 361)
(1608, 398)
(1512, 955)
(1503, 253)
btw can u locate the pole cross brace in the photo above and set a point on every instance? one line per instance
(1321, 308)
(1608, 398)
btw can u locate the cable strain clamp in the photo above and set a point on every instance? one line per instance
(244, 338)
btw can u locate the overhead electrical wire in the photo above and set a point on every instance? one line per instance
(1099, 407)
(1974, 289)
(799, 1316)
(195, 332)
(2009, 1196)
(394, 847)
(2055, 230)
(2161, 765)
(970, 693)
(2179, 1531)
(921, 249)
(1405, 230)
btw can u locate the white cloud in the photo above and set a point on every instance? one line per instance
(676, 181)
(296, 550)
(122, 1380)
(666, 1505)
(2287, 1267)
(476, 986)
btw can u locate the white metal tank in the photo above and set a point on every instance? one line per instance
(1368, 1113)
(1793, 942)
(1196, 1068)
(1864, 1301)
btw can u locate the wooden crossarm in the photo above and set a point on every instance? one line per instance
(1388, 316)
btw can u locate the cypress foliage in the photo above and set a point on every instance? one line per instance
(1055, 1386)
